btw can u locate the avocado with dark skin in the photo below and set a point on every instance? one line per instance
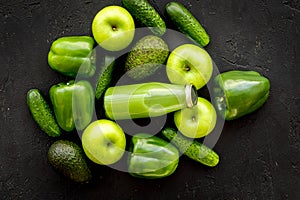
(68, 159)
(147, 56)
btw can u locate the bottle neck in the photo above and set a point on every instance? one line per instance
(191, 95)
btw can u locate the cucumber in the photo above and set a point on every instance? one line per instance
(105, 75)
(145, 14)
(191, 148)
(42, 114)
(187, 23)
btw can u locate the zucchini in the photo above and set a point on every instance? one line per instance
(146, 15)
(42, 114)
(105, 75)
(187, 23)
(191, 148)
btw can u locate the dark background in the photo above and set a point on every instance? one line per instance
(259, 153)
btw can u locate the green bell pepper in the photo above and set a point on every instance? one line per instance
(151, 157)
(73, 55)
(237, 93)
(73, 104)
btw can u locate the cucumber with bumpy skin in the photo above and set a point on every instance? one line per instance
(191, 148)
(187, 23)
(145, 14)
(41, 113)
(105, 75)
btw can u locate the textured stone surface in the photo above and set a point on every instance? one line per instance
(259, 153)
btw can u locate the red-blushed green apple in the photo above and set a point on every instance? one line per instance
(189, 64)
(113, 28)
(104, 142)
(198, 121)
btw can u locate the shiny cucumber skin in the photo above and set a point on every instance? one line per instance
(105, 75)
(42, 114)
(145, 14)
(187, 23)
(191, 148)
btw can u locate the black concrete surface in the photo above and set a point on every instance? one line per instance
(259, 153)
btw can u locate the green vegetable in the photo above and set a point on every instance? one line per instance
(146, 57)
(191, 148)
(145, 14)
(105, 75)
(73, 55)
(73, 104)
(151, 157)
(68, 159)
(42, 113)
(187, 23)
(237, 93)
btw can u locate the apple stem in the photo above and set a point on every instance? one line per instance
(108, 144)
(186, 68)
(194, 118)
(114, 28)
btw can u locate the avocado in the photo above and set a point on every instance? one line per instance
(147, 56)
(68, 159)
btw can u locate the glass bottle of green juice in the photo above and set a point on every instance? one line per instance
(147, 100)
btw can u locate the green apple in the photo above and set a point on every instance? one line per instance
(113, 28)
(104, 142)
(191, 64)
(198, 121)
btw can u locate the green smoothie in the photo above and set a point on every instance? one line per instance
(147, 100)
